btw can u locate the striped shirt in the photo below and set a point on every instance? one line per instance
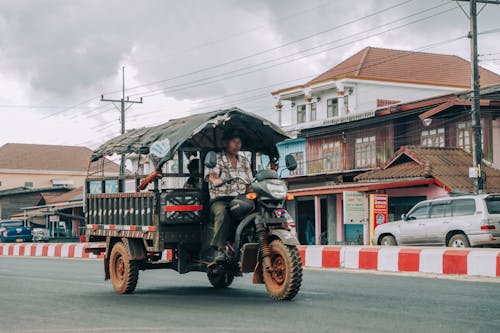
(224, 170)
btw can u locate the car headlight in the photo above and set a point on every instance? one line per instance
(277, 191)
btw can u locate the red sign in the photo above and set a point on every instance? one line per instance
(379, 208)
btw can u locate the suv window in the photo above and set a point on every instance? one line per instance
(462, 207)
(11, 224)
(493, 204)
(439, 209)
(419, 213)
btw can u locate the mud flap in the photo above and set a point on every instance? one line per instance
(107, 276)
(135, 248)
(285, 236)
(258, 278)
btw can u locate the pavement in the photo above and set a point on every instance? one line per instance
(53, 295)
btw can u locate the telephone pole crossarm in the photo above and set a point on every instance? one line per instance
(122, 109)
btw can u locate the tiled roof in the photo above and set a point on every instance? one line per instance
(47, 157)
(47, 198)
(73, 195)
(449, 166)
(417, 67)
(28, 190)
(405, 67)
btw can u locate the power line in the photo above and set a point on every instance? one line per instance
(192, 84)
(392, 57)
(236, 34)
(273, 48)
(268, 50)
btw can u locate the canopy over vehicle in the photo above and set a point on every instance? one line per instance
(203, 131)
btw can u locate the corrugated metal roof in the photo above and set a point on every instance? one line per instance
(200, 130)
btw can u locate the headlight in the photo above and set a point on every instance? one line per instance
(277, 191)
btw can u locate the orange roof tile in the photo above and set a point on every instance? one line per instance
(19, 156)
(406, 67)
(450, 166)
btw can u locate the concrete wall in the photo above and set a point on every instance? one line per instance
(11, 205)
(39, 180)
(362, 98)
(430, 192)
(367, 93)
(495, 124)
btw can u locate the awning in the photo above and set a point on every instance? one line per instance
(360, 187)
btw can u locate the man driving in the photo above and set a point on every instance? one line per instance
(231, 164)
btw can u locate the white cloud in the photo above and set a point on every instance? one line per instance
(59, 54)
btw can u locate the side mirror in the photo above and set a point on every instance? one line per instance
(290, 162)
(211, 159)
(403, 217)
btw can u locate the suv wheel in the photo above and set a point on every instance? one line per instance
(458, 240)
(388, 241)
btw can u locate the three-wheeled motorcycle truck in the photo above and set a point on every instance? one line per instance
(159, 206)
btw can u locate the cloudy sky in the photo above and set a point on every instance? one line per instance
(182, 57)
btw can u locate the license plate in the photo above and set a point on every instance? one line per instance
(19, 240)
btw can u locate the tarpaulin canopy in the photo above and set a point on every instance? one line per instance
(203, 131)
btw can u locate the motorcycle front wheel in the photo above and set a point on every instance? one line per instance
(284, 280)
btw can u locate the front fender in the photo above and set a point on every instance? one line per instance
(285, 236)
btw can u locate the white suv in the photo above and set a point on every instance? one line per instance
(462, 221)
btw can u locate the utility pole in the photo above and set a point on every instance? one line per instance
(477, 149)
(122, 110)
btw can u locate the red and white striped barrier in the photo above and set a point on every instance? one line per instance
(55, 250)
(473, 262)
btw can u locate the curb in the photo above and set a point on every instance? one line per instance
(443, 261)
(54, 250)
(434, 260)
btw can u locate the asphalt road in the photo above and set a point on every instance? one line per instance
(54, 295)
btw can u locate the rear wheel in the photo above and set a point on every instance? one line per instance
(220, 280)
(388, 241)
(123, 271)
(283, 282)
(458, 240)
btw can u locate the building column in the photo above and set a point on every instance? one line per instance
(340, 221)
(332, 218)
(317, 218)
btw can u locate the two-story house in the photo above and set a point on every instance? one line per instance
(26, 170)
(354, 117)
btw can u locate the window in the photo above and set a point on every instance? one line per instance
(439, 210)
(332, 156)
(493, 204)
(464, 135)
(301, 114)
(433, 138)
(419, 213)
(299, 157)
(28, 184)
(365, 152)
(313, 111)
(332, 108)
(462, 207)
(346, 103)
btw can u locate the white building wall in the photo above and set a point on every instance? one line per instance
(362, 95)
(367, 94)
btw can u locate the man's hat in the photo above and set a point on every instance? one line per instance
(231, 134)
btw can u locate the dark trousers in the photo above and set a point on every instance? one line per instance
(222, 223)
